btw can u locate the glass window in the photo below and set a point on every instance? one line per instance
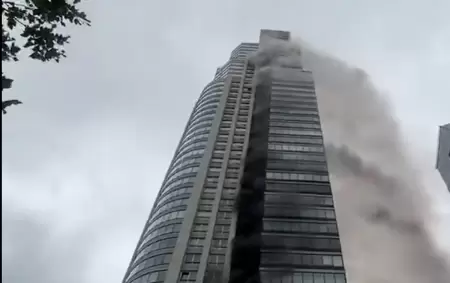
(337, 261)
(165, 217)
(200, 228)
(204, 213)
(192, 258)
(340, 278)
(169, 205)
(197, 242)
(308, 278)
(188, 276)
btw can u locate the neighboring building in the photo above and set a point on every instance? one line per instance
(271, 159)
(443, 155)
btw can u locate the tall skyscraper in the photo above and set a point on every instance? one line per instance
(443, 155)
(247, 196)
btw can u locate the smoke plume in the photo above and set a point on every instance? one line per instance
(380, 201)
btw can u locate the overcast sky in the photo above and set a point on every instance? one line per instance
(84, 156)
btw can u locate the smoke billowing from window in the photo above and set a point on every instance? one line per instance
(250, 202)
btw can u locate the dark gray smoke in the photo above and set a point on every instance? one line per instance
(381, 205)
(380, 198)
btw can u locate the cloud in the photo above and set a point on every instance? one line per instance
(29, 244)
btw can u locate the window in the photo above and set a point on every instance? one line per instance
(208, 196)
(196, 242)
(149, 262)
(215, 165)
(219, 244)
(214, 169)
(213, 174)
(166, 217)
(180, 173)
(300, 211)
(300, 227)
(216, 259)
(294, 112)
(299, 187)
(294, 118)
(219, 147)
(327, 243)
(205, 208)
(296, 125)
(188, 276)
(176, 190)
(293, 199)
(159, 244)
(238, 147)
(226, 202)
(228, 192)
(192, 258)
(200, 228)
(206, 201)
(213, 273)
(303, 277)
(221, 228)
(230, 183)
(209, 190)
(299, 140)
(201, 219)
(234, 162)
(295, 156)
(170, 228)
(311, 167)
(292, 147)
(224, 215)
(297, 176)
(181, 163)
(211, 182)
(281, 98)
(294, 132)
(240, 131)
(231, 174)
(169, 205)
(158, 276)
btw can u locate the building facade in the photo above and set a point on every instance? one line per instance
(247, 196)
(443, 154)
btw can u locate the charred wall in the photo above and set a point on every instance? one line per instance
(246, 250)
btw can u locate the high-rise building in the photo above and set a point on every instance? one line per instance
(443, 155)
(247, 196)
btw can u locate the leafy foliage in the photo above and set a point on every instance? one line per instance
(38, 23)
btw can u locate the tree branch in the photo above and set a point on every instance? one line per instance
(11, 3)
(17, 20)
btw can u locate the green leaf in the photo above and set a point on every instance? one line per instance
(11, 23)
(14, 48)
(38, 23)
(6, 82)
(7, 103)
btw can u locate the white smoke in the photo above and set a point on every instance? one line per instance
(380, 200)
